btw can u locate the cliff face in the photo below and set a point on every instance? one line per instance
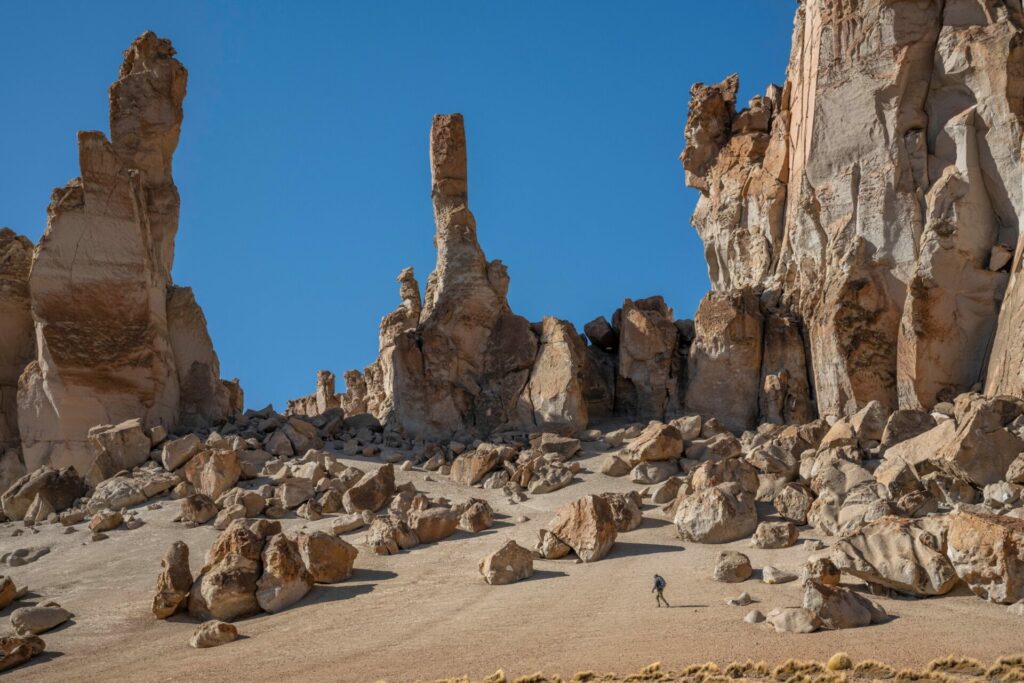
(872, 203)
(114, 339)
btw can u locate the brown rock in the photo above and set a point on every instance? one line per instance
(328, 558)
(371, 492)
(212, 634)
(586, 525)
(213, 472)
(285, 579)
(987, 552)
(508, 564)
(173, 583)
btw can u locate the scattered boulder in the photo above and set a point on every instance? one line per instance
(16, 650)
(475, 515)
(213, 633)
(39, 618)
(837, 607)
(793, 620)
(388, 535)
(372, 492)
(907, 555)
(60, 488)
(822, 570)
(720, 514)
(508, 564)
(213, 472)
(433, 524)
(793, 502)
(732, 567)
(626, 510)
(987, 553)
(773, 575)
(173, 583)
(177, 452)
(470, 468)
(772, 535)
(105, 520)
(587, 525)
(197, 509)
(550, 547)
(8, 591)
(328, 558)
(657, 442)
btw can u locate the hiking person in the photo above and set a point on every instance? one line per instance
(659, 586)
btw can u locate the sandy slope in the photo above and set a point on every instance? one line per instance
(427, 613)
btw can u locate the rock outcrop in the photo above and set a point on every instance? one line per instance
(17, 346)
(116, 340)
(873, 203)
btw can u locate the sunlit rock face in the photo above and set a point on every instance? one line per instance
(873, 201)
(115, 339)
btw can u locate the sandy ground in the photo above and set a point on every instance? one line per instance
(428, 614)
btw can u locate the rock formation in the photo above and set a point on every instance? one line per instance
(17, 346)
(872, 202)
(115, 338)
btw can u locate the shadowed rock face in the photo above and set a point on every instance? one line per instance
(873, 201)
(115, 339)
(17, 345)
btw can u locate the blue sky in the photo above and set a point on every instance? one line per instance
(303, 162)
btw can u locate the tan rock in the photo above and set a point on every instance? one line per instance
(328, 558)
(213, 633)
(434, 524)
(656, 442)
(508, 564)
(470, 468)
(39, 618)
(371, 492)
(285, 579)
(837, 607)
(60, 488)
(771, 535)
(719, 514)
(389, 535)
(173, 583)
(987, 552)
(213, 472)
(587, 525)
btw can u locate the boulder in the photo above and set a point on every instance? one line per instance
(773, 575)
(587, 525)
(771, 535)
(508, 564)
(117, 447)
(475, 515)
(60, 488)
(793, 502)
(285, 579)
(650, 473)
(39, 618)
(371, 492)
(907, 555)
(732, 567)
(105, 520)
(213, 472)
(982, 447)
(626, 510)
(821, 570)
(987, 553)
(294, 491)
(793, 620)
(177, 452)
(656, 442)
(470, 468)
(328, 558)
(16, 650)
(8, 591)
(550, 476)
(615, 466)
(715, 472)
(720, 514)
(226, 589)
(837, 607)
(213, 633)
(197, 509)
(388, 535)
(550, 547)
(173, 583)
(906, 424)
(433, 524)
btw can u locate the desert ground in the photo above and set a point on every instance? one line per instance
(427, 614)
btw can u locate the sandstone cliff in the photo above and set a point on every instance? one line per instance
(115, 340)
(872, 206)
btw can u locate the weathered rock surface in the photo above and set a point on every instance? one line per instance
(987, 552)
(285, 579)
(173, 583)
(719, 514)
(112, 343)
(508, 564)
(213, 633)
(328, 558)
(586, 525)
(17, 346)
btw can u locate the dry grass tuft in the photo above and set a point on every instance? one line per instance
(873, 670)
(960, 666)
(791, 670)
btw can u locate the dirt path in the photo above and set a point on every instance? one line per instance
(427, 613)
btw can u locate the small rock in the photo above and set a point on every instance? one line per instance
(754, 617)
(212, 634)
(742, 600)
(105, 520)
(774, 575)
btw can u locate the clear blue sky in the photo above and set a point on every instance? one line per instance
(303, 166)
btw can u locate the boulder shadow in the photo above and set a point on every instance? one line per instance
(332, 592)
(42, 658)
(626, 549)
(541, 574)
(653, 523)
(370, 575)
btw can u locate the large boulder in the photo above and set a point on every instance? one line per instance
(983, 447)
(433, 524)
(587, 525)
(371, 492)
(285, 579)
(328, 558)
(987, 552)
(213, 472)
(174, 581)
(907, 555)
(177, 452)
(656, 442)
(626, 510)
(60, 488)
(389, 535)
(510, 563)
(469, 468)
(732, 567)
(719, 514)
(117, 447)
(837, 607)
